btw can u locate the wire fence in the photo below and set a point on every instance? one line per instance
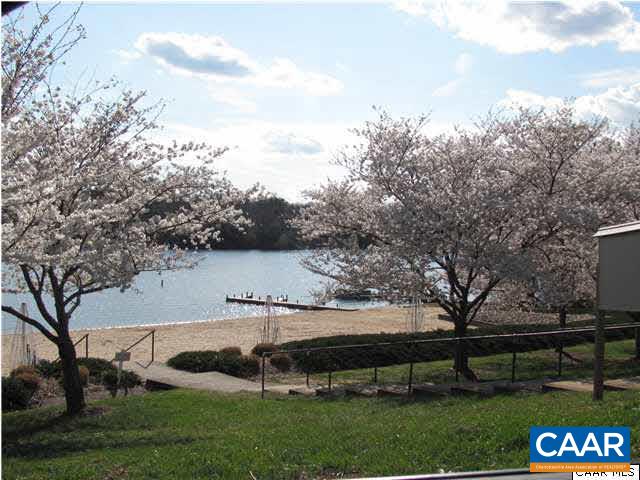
(522, 355)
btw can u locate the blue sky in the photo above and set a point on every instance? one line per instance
(282, 83)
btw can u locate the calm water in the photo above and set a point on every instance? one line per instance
(195, 294)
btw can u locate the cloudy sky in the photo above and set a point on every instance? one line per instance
(282, 83)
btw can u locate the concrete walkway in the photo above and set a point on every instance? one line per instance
(210, 381)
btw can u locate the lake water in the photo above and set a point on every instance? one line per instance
(195, 294)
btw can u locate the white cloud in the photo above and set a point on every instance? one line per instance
(448, 89)
(288, 142)
(611, 78)
(518, 27)
(233, 98)
(213, 59)
(286, 158)
(620, 104)
(462, 66)
(284, 73)
(523, 98)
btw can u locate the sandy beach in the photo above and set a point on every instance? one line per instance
(215, 334)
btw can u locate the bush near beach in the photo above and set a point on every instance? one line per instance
(281, 361)
(243, 366)
(16, 392)
(96, 367)
(261, 348)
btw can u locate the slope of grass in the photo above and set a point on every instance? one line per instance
(188, 434)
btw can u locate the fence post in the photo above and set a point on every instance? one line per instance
(560, 360)
(375, 374)
(409, 390)
(598, 356)
(637, 343)
(153, 345)
(86, 346)
(329, 380)
(457, 359)
(262, 383)
(513, 366)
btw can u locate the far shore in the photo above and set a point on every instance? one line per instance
(174, 338)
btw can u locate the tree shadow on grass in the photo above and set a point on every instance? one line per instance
(60, 444)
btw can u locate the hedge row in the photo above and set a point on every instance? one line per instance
(211, 361)
(97, 367)
(385, 355)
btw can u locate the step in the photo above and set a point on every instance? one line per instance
(304, 391)
(472, 389)
(568, 386)
(361, 391)
(326, 392)
(515, 387)
(623, 384)
(393, 391)
(425, 391)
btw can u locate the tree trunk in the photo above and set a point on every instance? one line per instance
(562, 317)
(461, 359)
(73, 392)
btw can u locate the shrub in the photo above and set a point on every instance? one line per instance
(128, 380)
(212, 361)
(261, 348)
(195, 361)
(231, 351)
(84, 375)
(24, 369)
(110, 381)
(15, 394)
(49, 369)
(250, 366)
(96, 367)
(281, 361)
(31, 380)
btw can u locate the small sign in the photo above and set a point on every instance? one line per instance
(123, 356)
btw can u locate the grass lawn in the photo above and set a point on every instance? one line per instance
(619, 362)
(189, 434)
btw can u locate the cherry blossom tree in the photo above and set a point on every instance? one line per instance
(595, 185)
(82, 185)
(453, 216)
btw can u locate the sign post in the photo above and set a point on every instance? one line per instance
(121, 357)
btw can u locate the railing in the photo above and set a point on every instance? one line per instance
(635, 326)
(152, 333)
(85, 337)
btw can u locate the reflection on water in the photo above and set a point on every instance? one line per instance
(195, 294)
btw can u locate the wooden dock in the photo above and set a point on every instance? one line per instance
(292, 305)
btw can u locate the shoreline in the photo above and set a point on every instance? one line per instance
(176, 337)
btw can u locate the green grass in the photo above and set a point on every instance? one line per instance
(188, 434)
(530, 365)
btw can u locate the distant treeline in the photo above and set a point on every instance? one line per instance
(270, 227)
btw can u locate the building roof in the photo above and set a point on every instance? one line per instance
(618, 229)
